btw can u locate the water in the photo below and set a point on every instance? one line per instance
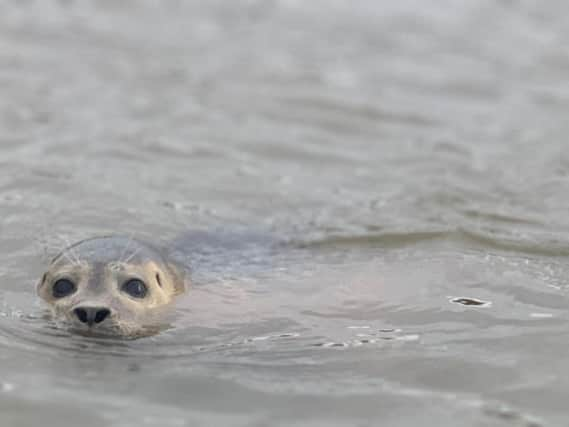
(413, 156)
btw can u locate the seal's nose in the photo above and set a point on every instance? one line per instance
(91, 315)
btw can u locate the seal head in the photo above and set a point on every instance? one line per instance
(111, 285)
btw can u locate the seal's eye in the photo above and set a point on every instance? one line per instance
(63, 288)
(135, 288)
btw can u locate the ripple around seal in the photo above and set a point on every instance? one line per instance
(38, 334)
(387, 239)
(536, 244)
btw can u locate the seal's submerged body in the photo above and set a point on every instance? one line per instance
(111, 285)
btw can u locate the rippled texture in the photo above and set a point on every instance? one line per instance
(412, 157)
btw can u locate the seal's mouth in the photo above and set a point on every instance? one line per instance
(118, 331)
(112, 327)
(108, 327)
(98, 332)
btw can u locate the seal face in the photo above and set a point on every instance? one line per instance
(111, 285)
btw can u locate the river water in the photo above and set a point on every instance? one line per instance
(413, 156)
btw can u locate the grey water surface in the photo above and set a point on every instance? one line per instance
(412, 156)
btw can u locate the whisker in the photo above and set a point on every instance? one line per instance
(134, 253)
(72, 253)
(67, 257)
(51, 250)
(126, 247)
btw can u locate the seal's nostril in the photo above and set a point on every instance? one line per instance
(101, 315)
(91, 315)
(81, 314)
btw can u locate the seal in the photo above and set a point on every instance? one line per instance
(112, 285)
